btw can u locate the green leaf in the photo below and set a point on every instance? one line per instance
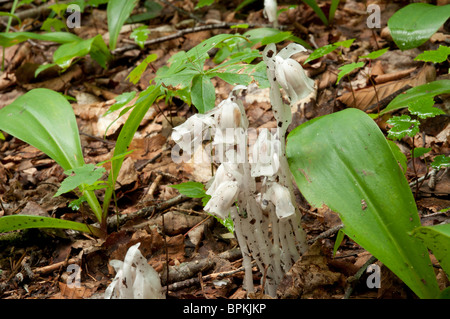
(136, 74)
(423, 107)
(428, 90)
(435, 56)
(43, 67)
(375, 54)
(53, 24)
(398, 154)
(11, 15)
(343, 161)
(17, 222)
(420, 151)
(140, 35)
(348, 68)
(339, 238)
(281, 36)
(203, 93)
(437, 238)
(121, 100)
(322, 51)
(87, 174)
(333, 8)
(145, 101)
(402, 126)
(95, 46)
(414, 24)
(118, 12)
(45, 119)
(191, 189)
(233, 78)
(203, 3)
(441, 161)
(10, 39)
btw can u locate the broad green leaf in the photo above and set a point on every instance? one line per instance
(10, 39)
(118, 12)
(140, 35)
(43, 67)
(414, 24)
(398, 154)
(420, 151)
(276, 37)
(343, 161)
(435, 56)
(191, 189)
(423, 107)
(95, 46)
(203, 93)
(441, 161)
(233, 78)
(17, 222)
(402, 126)
(375, 54)
(44, 119)
(87, 174)
(428, 90)
(437, 238)
(348, 68)
(136, 74)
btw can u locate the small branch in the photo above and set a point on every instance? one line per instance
(180, 33)
(326, 233)
(352, 280)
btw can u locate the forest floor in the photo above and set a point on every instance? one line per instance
(34, 263)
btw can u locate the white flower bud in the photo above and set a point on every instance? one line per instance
(270, 11)
(222, 199)
(281, 198)
(191, 133)
(292, 78)
(265, 155)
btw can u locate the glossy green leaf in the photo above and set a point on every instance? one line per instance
(17, 222)
(95, 46)
(402, 126)
(118, 12)
(203, 93)
(414, 24)
(322, 51)
(343, 161)
(435, 56)
(140, 35)
(191, 189)
(10, 39)
(420, 151)
(437, 238)
(375, 54)
(348, 68)
(441, 161)
(53, 24)
(87, 174)
(333, 8)
(203, 3)
(44, 119)
(399, 156)
(145, 101)
(408, 98)
(423, 107)
(136, 74)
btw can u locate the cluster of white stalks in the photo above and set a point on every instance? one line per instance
(253, 185)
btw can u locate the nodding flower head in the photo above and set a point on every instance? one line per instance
(289, 73)
(265, 155)
(281, 199)
(222, 199)
(230, 112)
(191, 133)
(270, 11)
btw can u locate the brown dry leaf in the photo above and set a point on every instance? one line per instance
(178, 223)
(59, 83)
(68, 292)
(127, 174)
(7, 79)
(367, 97)
(308, 275)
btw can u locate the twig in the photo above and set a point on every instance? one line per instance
(352, 280)
(145, 212)
(384, 102)
(180, 33)
(326, 234)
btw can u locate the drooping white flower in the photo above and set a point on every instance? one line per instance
(281, 199)
(222, 199)
(135, 278)
(270, 11)
(226, 172)
(191, 133)
(289, 74)
(265, 155)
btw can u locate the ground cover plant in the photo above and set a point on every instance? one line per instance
(111, 144)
